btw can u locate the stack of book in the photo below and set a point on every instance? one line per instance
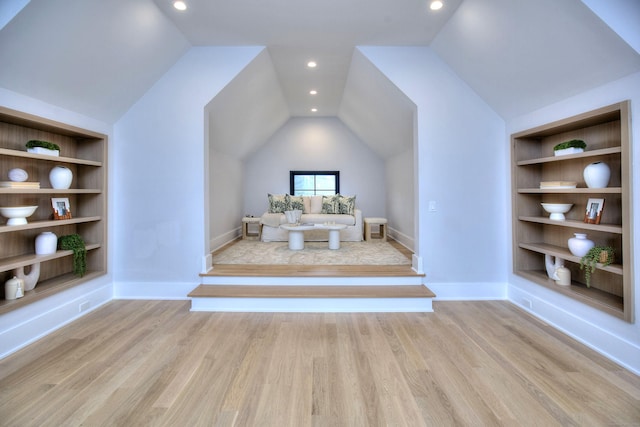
(550, 185)
(20, 185)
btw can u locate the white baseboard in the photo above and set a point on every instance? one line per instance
(153, 290)
(468, 291)
(613, 347)
(219, 241)
(23, 326)
(403, 239)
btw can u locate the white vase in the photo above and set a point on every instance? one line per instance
(60, 177)
(46, 243)
(580, 245)
(596, 175)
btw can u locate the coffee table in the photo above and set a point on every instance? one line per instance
(296, 234)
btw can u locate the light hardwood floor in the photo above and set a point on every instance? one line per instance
(135, 363)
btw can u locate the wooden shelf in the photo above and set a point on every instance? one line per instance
(48, 224)
(606, 132)
(607, 228)
(84, 152)
(57, 159)
(11, 263)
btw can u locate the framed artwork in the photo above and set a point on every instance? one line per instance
(61, 208)
(593, 212)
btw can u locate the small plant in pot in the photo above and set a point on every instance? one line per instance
(598, 254)
(43, 147)
(569, 147)
(76, 244)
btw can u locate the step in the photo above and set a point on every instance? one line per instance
(312, 298)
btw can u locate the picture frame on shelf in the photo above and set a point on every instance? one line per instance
(61, 208)
(593, 211)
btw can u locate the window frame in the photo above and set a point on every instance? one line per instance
(293, 174)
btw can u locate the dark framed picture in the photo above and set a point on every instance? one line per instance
(61, 208)
(593, 213)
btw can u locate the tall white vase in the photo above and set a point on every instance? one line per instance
(60, 177)
(596, 175)
(580, 245)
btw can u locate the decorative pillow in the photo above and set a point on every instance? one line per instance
(296, 203)
(331, 204)
(278, 203)
(316, 204)
(347, 205)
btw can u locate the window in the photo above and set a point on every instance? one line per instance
(314, 183)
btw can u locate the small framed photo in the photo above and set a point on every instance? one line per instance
(593, 213)
(61, 208)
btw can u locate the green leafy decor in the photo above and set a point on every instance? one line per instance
(597, 254)
(44, 144)
(75, 243)
(574, 143)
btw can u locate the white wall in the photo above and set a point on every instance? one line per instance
(226, 204)
(400, 203)
(315, 144)
(462, 155)
(614, 337)
(159, 161)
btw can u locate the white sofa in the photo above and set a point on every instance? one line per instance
(312, 214)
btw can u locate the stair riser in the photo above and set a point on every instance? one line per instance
(311, 305)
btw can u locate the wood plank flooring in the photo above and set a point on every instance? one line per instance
(154, 363)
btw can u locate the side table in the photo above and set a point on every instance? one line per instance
(249, 234)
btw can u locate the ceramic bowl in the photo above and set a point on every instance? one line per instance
(17, 215)
(557, 210)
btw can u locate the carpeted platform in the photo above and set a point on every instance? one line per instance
(350, 253)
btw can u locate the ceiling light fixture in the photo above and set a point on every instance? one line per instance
(313, 110)
(436, 5)
(180, 5)
(313, 92)
(312, 64)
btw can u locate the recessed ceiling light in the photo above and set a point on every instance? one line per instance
(313, 92)
(312, 64)
(314, 110)
(180, 5)
(436, 5)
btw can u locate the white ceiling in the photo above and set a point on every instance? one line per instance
(98, 57)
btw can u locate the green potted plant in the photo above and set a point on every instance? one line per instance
(569, 147)
(76, 244)
(43, 147)
(598, 254)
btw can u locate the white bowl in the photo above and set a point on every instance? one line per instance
(557, 210)
(17, 215)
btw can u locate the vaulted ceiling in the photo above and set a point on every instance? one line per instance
(99, 57)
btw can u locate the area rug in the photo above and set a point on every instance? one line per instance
(314, 253)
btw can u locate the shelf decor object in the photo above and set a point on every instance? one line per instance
(597, 174)
(573, 146)
(17, 215)
(43, 147)
(579, 245)
(60, 177)
(83, 152)
(557, 210)
(540, 177)
(61, 208)
(46, 243)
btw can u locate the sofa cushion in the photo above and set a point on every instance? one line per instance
(316, 205)
(278, 203)
(322, 218)
(346, 204)
(306, 201)
(296, 203)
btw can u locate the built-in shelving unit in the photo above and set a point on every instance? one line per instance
(85, 153)
(606, 132)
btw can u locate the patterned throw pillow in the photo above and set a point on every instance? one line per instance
(347, 205)
(296, 203)
(331, 204)
(278, 203)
